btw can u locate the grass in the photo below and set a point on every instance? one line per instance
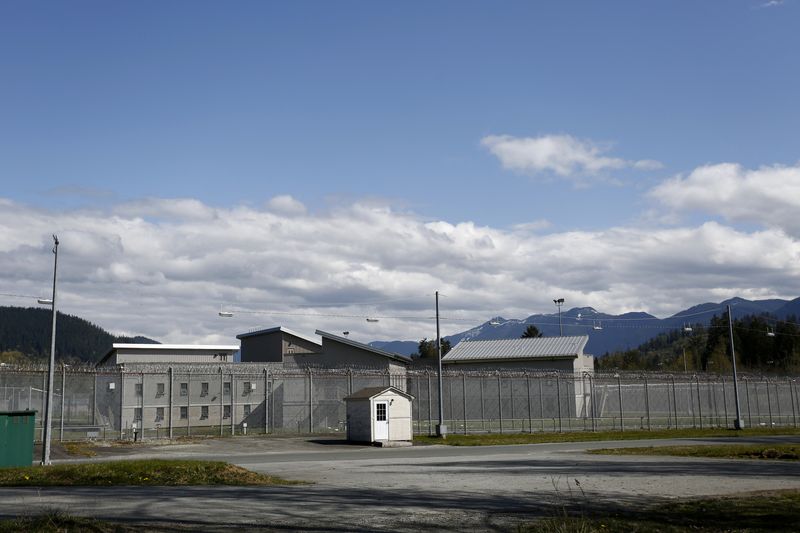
(790, 452)
(83, 449)
(760, 512)
(155, 472)
(63, 523)
(494, 439)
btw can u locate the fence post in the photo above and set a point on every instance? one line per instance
(699, 402)
(63, 396)
(769, 401)
(233, 405)
(266, 401)
(94, 398)
(778, 401)
(310, 401)
(511, 399)
(747, 394)
(541, 403)
(464, 394)
(170, 402)
(189, 403)
(558, 398)
(791, 397)
(500, 401)
(530, 417)
(724, 400)
(221, 400)
(675, 402)
(647, 402)
(591, 402)
(483, 415)
(430, 407)
(121, 403)
(621, 413)
(141, 405)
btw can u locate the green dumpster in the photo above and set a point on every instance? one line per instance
(16, 438)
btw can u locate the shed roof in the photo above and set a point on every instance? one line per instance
(371, 392)
(152, 347)
(517, 349)
(282, 330)
(361, 345)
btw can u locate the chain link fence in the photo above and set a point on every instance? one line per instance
(185, 400)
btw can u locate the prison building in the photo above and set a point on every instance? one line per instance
(279, 345)
(560, 354)
(121, 354)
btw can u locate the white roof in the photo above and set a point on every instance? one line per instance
(517, 349)
(186, 347)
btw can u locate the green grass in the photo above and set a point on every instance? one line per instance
(155, 472)
(63, 523)
(494, 439)
(761, 512)
(789, 452)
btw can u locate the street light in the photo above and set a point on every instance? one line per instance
(559, 302)
(48, 410)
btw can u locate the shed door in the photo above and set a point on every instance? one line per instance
(381, 421)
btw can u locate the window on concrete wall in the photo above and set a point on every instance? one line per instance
(137, 414)
(204, 412)
(226, 411)
(184, 413)
(184, 389)
(246, 388)
(159, 390)
(159, 414)
(226, 388)
(204, 388)
(139, 389)
(246, 410)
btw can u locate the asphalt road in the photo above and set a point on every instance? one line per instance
(357, 488)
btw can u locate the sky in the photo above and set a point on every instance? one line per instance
(311, 164)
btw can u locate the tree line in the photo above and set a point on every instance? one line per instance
(762, 344)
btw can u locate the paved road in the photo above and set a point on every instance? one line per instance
(407, 489)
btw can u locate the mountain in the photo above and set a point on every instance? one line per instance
(27, 330)
(608, 333)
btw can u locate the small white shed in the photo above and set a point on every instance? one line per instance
(379, 414)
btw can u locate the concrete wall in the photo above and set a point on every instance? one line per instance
(339, 355)
(262, 348)
(359, 420)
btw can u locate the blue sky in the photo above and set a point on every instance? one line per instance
(414, 106)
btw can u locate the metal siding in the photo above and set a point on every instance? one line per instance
(505, 349)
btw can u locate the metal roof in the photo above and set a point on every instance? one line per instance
(371, 392)
(517, 349)
(282, 330)
(367, 347)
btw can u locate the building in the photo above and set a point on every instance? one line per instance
(560, 354)
(379, 414)
(341, 352)
(279, 345)
(121, 354)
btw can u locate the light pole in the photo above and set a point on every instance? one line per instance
(441, 428)
(559, 302)
(48, 410)
(738, 423)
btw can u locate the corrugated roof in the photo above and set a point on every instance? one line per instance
(508, 349)
(367, 347)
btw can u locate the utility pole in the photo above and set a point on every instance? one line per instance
(738, 423)
(559, 302)
(441, 428)
(48, 411)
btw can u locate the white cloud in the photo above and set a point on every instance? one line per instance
(168, 277)
(769, 195)
(287, 205)
(563, 155)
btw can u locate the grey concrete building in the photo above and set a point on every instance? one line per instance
(340, 352)
(121, 354)
(279, 345)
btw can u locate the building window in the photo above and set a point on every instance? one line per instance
(247, 410)
(226, 411)
(137, 414)
(380, 412)
(226, 388)
(184, 413)
(204, 412)
(159, 390)
(246, 390)
(139, 388)
(184, 389)
(159, 414)
(204, 388)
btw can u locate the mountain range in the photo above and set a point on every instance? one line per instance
(608, 333)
